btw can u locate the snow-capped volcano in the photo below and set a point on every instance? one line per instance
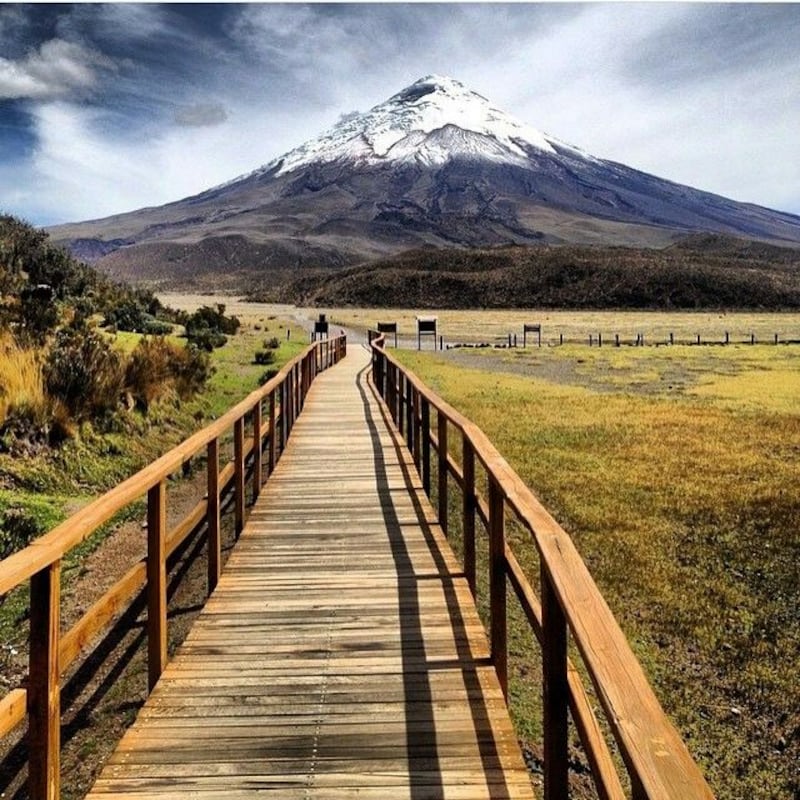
(432, 120)
(435, 164)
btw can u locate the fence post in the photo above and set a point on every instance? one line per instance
(468, 512)
(44, 691)
(238, 466)
(555, 694)
(441, 430)
(213, 515)
(497, 583)
(426, 445)
(257, 455)
(156, 582)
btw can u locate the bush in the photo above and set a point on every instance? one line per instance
(17, 530)
(272, 344)
(267, 376)
(206, 339)
(207, 327)
(127, 316)
(264, 357)
(193, 369)
(85, 373)
(157, 368)
(155, 327)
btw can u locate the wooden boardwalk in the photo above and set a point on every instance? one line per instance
(341, 654)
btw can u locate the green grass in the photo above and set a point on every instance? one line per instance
(684, 505)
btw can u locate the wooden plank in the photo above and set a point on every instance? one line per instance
(13, 708)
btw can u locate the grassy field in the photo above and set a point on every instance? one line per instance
(676, 470)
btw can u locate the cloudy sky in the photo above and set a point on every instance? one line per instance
(108, 108)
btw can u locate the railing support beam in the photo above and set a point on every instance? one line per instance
(156, 582)
(497, 583)
(213, 516)
(555, 694)
(44, 691)
(441, 470)
(239, 474)
(468, 513)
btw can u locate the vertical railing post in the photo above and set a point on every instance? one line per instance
(393, 392)
(44, 690)
(468, 512)
(284, 402)
(417, 427)
(409, 401)
(401, 408)
(213, 516)
(555, 694)
(441, 488)
(425, 422)
(299, 389)
(238, 467)
(289, 402)
(272, 411)
(156, 582)
(257, 454)
(497, 582)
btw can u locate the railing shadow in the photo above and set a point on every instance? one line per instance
(425, 771)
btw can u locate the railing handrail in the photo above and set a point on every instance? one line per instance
(51, 649)
(53, 545)
(657, 760)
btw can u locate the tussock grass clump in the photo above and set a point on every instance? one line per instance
(21, 382)
(158, 369)
(29, 416)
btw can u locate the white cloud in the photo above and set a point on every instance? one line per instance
(199, 115)
(280, 74)
(56, 69)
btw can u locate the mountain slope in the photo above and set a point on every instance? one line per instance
(436, 164)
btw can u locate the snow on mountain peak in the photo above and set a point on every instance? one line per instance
(402, 129)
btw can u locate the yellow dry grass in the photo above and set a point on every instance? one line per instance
(21, 382)
(686, 509)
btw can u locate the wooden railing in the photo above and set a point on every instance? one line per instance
(51, 650)
(656, 759)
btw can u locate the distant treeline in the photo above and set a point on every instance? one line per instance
(699, 272)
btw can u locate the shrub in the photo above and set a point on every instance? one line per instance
(127, 316)
(206, 339)
(268, 375)
(272, 344)
(85, 373)
(28, 417)
(193, 369)
(155, 327)
(157, 368)
(21, 381)
(17, 530)
(265, 357)
(207, 327)
(148, 371)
